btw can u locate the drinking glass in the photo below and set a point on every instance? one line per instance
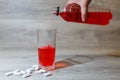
(46, 42)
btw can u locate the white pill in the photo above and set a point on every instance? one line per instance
(9, 73)
(47, 74)
(17, 73)
(40, 71)
(26, 75)
(31, 69)
(23, 72)
(34, 66)
(37, 68)
(43, 71)
(17, 70)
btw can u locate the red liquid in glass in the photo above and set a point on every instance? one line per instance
(46, 55)
(98, 18)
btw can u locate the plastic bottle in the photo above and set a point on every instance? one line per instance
(96, 15)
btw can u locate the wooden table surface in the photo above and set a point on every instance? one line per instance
(75, 66)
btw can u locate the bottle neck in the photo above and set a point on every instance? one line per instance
(56, 11)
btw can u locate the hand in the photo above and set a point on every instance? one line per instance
(84, 7)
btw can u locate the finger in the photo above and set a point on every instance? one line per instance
(84, 10)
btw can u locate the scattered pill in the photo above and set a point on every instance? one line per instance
(28, 71)
(17, 73)
(43, 71)
(17, 70)
(38, 72)
(37, 68)
(9, 73)
(31, 69)
(47, 74)
(26, 75)
(23, 72)
(34, 66)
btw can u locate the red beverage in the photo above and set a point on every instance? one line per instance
(46, 55)
(98, 18)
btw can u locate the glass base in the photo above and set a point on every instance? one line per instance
(48, 68)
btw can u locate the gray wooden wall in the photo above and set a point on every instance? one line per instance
(20, 18)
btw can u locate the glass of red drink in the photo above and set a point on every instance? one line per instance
(46, 42)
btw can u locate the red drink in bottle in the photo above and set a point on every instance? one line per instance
(95, 16)
(46, 55)
(98, 18)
